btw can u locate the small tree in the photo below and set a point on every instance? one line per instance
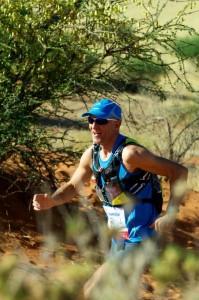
(75, 47)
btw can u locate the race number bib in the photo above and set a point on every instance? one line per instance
(116, 220)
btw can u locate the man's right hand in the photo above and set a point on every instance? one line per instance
(42, 202)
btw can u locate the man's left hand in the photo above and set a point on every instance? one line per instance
(164, 223)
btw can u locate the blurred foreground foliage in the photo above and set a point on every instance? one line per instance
(19, 280)
(176, 264)
(74, 47)
(172, 268)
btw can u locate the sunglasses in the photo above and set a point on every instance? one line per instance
(98, 121)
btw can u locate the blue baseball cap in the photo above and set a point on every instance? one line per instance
(106, 109)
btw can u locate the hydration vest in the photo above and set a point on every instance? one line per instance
(132, 186)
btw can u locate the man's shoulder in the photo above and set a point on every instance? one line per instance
(133, 154)
(133, 149)
(88, 151)
(87, 155)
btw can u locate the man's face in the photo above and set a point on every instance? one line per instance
(103, 131)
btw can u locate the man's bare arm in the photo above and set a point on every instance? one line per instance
(81, 175)
(135, 157)
(68, 190)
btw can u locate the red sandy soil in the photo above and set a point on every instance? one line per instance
(19, 231)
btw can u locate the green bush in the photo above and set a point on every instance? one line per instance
(188, 47)
(72, 47)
